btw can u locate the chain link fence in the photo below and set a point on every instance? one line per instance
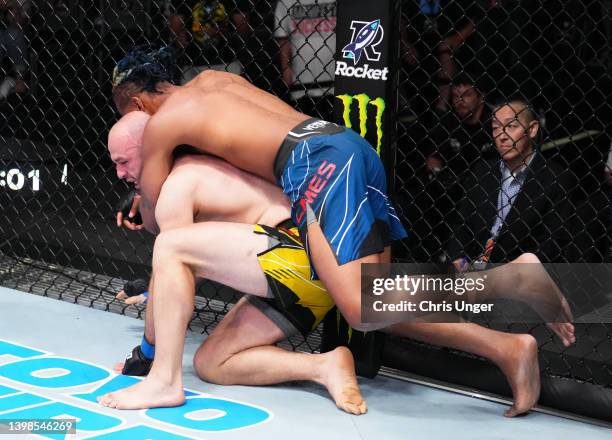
(58, 187)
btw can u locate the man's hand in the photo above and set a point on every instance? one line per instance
(134, 292)
(130, 220)
(131, 300)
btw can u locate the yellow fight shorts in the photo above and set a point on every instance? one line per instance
(296, 303)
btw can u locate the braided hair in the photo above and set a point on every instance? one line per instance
(142, 68)
(147, 66)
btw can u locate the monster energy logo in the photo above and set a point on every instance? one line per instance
(363, 101)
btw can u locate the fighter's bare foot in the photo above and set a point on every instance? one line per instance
(565, 331)
(521, 368)
(338, 376)
(542, 294)
(150, 393)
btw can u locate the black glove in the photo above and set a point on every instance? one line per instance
(135, 288)
(137, 364)
(125, 204)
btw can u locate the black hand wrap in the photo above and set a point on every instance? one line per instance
(125, 204)
(137, 364)
(135, 288)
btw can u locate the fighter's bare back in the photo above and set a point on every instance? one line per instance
(204, 188)
(218, 122)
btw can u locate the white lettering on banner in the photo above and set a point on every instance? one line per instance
(343, 69)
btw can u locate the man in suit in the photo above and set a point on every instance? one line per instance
(514, 204)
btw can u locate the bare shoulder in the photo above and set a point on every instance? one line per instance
(180, 111)
(190, 101)
(214, 79)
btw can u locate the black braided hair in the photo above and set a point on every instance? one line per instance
(146, 66)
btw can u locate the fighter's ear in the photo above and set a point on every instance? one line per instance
(138, 103)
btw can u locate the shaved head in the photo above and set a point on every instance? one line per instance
(125, 141)
(128, 130)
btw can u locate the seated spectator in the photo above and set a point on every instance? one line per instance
(179, 38)
(250, 45)
(208, 19)
(458, 141)
(464, 135)
(432, 32)
(13, 49)
(519, 202)
(210, 29)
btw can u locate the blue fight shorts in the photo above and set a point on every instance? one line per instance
(334, 177)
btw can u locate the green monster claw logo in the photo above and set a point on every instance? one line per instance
(338, 320)
(362, 102)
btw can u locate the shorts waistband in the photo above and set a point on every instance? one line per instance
(304, 130)
(286, 224)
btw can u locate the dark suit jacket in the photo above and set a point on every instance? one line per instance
(539, 221)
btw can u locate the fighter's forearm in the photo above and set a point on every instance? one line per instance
(148, 217)
(155, 170)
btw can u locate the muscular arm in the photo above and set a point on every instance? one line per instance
(160, 140)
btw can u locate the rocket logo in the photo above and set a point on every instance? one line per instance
(366, 36)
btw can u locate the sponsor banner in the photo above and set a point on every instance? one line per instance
(365, 80)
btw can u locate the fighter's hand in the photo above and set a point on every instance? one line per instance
(132, 220)
(138, 299)
(118, 368)
(131, 300)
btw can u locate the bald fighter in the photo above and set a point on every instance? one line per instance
(200, 198)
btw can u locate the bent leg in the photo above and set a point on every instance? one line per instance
(174, 286)
(221, 252)
(516, 355)
(523, 279)
(179, 255)
(343, 282)
(241, 351)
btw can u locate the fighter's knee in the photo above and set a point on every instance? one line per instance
(165, 245)
(528, 257)
(202, 365)
(208, 365)
(353, 318)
